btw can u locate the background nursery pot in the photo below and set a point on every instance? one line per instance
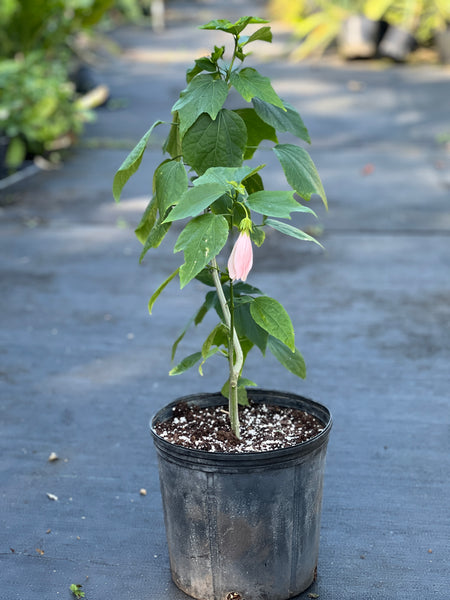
(244, 524)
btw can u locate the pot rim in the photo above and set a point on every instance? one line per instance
(283, 455)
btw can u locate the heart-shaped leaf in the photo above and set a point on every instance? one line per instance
(215, 143)
(250, 84)
(204, 94)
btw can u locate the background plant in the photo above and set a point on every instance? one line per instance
(422, 18)
(206, 181)
(45, 109)
(318, 22)
(38, 103)
(28, 25)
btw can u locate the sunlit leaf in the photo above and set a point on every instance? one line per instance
(131, 164)
(201, 240)
(195, 200)
(263, 34)
(204, 94)
(250, 84)
(218, 143)
(233, 28)
(273, 318)
(300, 171)
(275, 204)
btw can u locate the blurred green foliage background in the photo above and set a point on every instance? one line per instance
(39, 103)
(38, 100)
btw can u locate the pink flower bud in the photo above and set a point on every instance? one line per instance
(241, 257)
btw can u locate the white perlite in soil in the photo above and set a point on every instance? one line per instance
(263, 427)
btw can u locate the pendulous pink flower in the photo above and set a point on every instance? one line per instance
(241, 257)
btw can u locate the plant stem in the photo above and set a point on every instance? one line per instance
(235, 356)
(230, 68)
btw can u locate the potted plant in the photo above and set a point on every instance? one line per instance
(362, 31)
(241, 470)
(355, 26)
(403, 17)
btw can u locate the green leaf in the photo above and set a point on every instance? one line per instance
(247, 327)
(131, 164)
(254, 184)
(290, 230)
(217, 53)
(292, 361)
(201, 240)
(172, 145)
(242, 392)
(204, 94)
(300, 171)
(205, 276)
(171, 182)
(223, 206)
(186, 363)
(243, 300)
(257, 130)
(147, 221)
(155, 237)
(282, 120)
(257, 235)
(242, 287)
(196, 319)
(233, 28)
(217, 337)
(195, 200)
(244, 382)
(76, 590)
(250, 84)
(275, 204)
(180, 337)
(201, 64)
(163, 285)
(216, 143)
(273, 318)
(205, 358)
(210, 301)
(240, 54)
(263, 34)
(225, 175)
(242, 397)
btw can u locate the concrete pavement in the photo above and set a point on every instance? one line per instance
(83, 366)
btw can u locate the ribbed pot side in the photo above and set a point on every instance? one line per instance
(243, 523)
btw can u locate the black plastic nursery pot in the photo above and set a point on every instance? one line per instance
(397, 44)
(359, 37)
(243, 526)
(443, 45)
